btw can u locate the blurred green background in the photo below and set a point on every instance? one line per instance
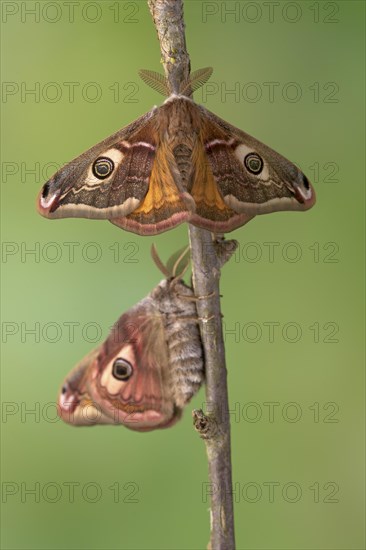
(297, 395)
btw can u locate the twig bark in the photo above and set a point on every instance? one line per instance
(208, 255)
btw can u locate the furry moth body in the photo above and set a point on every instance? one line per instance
(177, 163)
(146, 371)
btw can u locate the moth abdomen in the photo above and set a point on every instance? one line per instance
(183, 158)
(185, 358)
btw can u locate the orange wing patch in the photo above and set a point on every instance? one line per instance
(163, 193)
(208, 199)
(165, 205)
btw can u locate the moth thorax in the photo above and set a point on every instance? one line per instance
(182, 120)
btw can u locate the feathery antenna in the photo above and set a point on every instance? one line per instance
(159, 83)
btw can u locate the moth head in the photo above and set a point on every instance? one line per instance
(174, 295)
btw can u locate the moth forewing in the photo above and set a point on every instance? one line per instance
(253, 178)
(109, 180)
(75, 405)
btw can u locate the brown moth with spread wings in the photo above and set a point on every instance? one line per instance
(177, 163)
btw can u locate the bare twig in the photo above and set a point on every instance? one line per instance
(208, 255)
